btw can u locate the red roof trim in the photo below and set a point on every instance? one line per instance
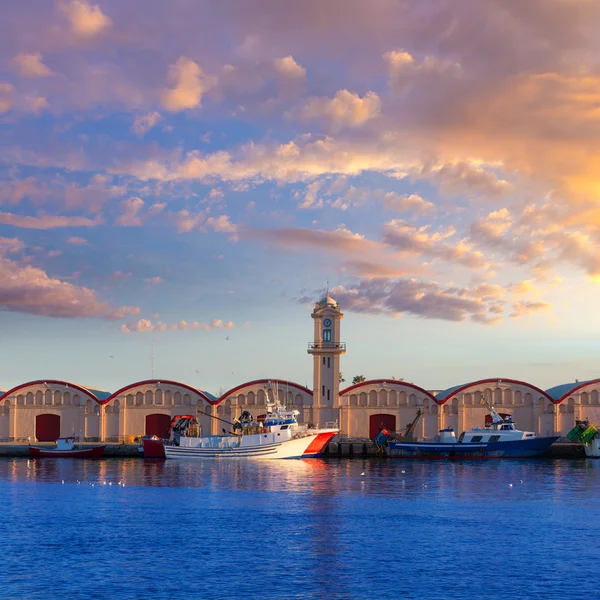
(390, 381)
(161, 381)
(54, 382)
(259, 381)
(496, 380)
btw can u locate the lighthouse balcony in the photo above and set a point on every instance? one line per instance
(316, 347)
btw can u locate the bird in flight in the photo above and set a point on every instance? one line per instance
(111, 356)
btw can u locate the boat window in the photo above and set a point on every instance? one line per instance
(494, 438)
(476, 438)
(530, 435)
(462, 437)
(284, 427)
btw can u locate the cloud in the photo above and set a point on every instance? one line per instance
(120, 276)
(402, 65)
(47, 221)
(190, 84)
(418, 241)
(77, 241)
(7, 91)
(525, 309)
(467, 180)
(10, 245)
(288, 67)
(29, 289)
(144, 123)
(222, 224)
(130, 209)
(154, 280)
(31, 65)
(148, 326)
(423, 299)
(85, 20)
(345, 109)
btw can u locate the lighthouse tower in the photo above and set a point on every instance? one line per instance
(326, 350)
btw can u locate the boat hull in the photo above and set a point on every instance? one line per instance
(527, 448)
(94, 452)
(309, 446)
(592, 449)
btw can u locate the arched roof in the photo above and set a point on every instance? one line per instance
(87, 391)
(262, 381)
(161, 381)
(389, 381)
(100, 394)
(444, 396)
(559, 392)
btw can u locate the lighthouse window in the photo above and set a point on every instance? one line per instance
(323, 361)
(329, 362)
(326, 335)
(328, 394)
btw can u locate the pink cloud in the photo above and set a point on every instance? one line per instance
(77, 241)
(47, 221)
(146, 326)
(130, 209)
(28, 289)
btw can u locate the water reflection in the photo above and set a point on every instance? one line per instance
(309, 529)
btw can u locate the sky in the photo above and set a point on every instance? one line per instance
(181, 181)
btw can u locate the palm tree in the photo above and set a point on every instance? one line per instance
(358, 379)
(341, 378)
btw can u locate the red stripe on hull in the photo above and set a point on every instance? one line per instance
(318, 445)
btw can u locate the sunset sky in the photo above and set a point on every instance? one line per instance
(190, 175)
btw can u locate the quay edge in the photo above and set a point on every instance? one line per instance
(343, 449)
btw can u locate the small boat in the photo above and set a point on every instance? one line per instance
(277, 436)
(65, 448)
(587, 434)
(500, 439)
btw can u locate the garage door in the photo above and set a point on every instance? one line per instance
(157, 425)
(376, 422)
(47, 428)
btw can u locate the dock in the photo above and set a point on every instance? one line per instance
(343, 449)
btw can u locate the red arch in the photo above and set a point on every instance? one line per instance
(167, 381)
(391, 381)
(54, 382)
(496, 380)
(259, 381)
(570, 392)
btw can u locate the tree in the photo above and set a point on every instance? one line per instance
(341, 378)
(358, 379)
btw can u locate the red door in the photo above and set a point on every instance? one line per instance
(378, 421)
(47, 428)
(157, 425)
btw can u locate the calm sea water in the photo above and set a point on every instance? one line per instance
(299, 529)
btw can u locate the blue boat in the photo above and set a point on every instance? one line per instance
(501, 439)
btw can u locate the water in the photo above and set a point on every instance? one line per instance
(355, 529)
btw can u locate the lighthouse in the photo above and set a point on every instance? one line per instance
(326, 349)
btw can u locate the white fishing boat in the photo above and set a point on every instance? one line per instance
(280, 435)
